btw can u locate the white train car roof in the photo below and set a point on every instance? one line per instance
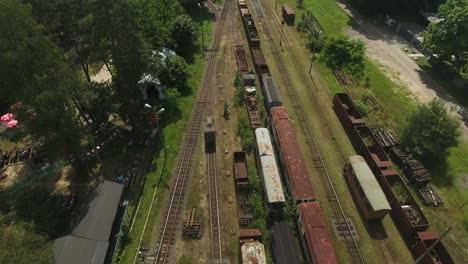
(270, 172)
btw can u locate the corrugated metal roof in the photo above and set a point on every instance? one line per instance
(318, 239)
(369, 184)
(97, 223)
(271, 176)
(297, 172)
(285, 249)
(253, 252)
(77, 250)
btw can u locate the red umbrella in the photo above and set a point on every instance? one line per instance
(6, 117)
(12, 123)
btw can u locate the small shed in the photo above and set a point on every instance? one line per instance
(288, 15)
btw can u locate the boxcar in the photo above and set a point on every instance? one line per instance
(269, 168)
(271, 93)
(290, 157)
(285, 250)
(241, 177)
(438, 255)
(347, 112)
(367, 146)
(406, 212)
(288, 15)
(314, 235)
(365, 188)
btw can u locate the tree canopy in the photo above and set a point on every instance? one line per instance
(449, 36)
(184, 34)
(21, 244)
(430, 130)
(174, 73)
(342, 53)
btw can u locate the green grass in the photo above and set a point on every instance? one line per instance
(330, 15)
(397, 103)
(173, 134)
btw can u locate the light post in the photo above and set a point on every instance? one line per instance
(161, 139)
(201, 6)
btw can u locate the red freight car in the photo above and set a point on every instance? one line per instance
(241, 178)
(406, 212)
(288, 15)
(438, 255)
(367, 146)
(314, 235)
(347, 112)
(290, 157)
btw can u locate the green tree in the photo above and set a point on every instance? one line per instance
(174, 72)
(171, 103)
(45, 210)
(342, 53)
(449, 36)
(430, 130)
(21, 244)
(32, 70)
(184, 34)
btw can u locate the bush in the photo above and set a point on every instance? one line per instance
(246, 135)
(344, 54)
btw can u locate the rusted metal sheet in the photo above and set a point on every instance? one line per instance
(246, 234)
(313, 231)
(290, 156)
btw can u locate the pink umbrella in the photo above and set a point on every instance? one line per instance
(6, 117)
(12, 124)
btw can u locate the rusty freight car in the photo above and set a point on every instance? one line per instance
(241, 177)
(314, 235)
(438, 255)
(407, 214)
(290, 156)
(259, 61)
(241, 60)
(347, 112)
(288, 15)
(251, 30)
(367, 146)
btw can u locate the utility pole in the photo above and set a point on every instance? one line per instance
(433, 245)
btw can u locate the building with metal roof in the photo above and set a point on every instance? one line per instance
(89, 240)
(290, 156)
(269, 168)
(314, 235)
(285, 247)
(366, 189)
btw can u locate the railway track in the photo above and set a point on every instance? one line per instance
(215, 225)
(349, 238)
(311, 83)
(171, 220)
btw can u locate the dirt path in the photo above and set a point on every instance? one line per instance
(386, 48)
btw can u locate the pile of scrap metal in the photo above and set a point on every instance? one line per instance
(412, 168)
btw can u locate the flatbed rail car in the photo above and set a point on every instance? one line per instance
(347, 112)
(438, 255)
(407, 214)
(290, 157)
(367, 146)
(241, 178)
(261, 67)
(365, 188)
(241, 60)
(251, 30)
(252, 112)
(313, 232)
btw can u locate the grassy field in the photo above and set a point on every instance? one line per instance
(173, 134)
(397, 103)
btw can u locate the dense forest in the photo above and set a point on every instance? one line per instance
(49, 51)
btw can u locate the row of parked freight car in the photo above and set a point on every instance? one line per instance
(407, 214)
(277, 154)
